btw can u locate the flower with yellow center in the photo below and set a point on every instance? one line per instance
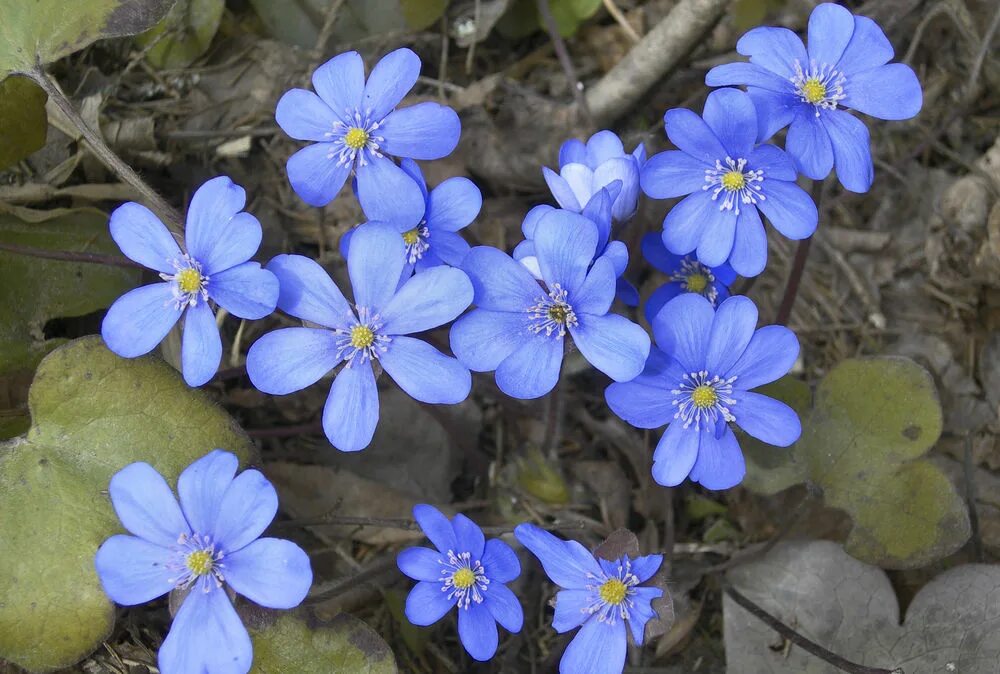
(464, 578)
(696, 283)
(733, 181)
(362, 337)
(613, 591)
(199, 562)
(703, 400)
(356, 138)
(704, 396)
(813, 91)
(410, 237)
(552, 315)
(189, 280)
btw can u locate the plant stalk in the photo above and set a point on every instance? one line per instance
(798, 265)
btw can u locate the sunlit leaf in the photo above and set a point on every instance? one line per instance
(184, 34)
(23, 122)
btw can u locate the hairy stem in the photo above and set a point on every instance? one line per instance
(798, 265)
(70, 256)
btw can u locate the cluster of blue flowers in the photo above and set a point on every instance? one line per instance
(412, 271)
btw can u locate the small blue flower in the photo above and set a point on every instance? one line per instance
(518, 326)
(585, 169)
(211, 539)
(845, 68)
(603, 596)
(685, 275)
(466, 571)
(701, 381)
(431, 235)
(727, 179)
(219, 239)
(355, 127)
(377, 328)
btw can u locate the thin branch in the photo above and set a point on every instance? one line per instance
(798, 265)
(404, 524)
(70, 256)
(970, 499)
(565, 61)
(553, 419)
(619, 17)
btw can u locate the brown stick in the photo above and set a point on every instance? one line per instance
(565, 61)
(798, 266)
(70, 256)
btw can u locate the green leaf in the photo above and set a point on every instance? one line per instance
(92, 414)
(35, 290)
(421, 14)
(569, 14)
(43, 31)
(345, 645)
(523, 19)
(23, 122)
(186, 31)
(772, 469)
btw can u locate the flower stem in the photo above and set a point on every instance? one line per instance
(69, 256)
(553, 419)
(798, 265)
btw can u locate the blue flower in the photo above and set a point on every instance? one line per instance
(701, 381)
(685, 275)
(845, 68)
(728, 180)
(431, 234)
(355, 127)
(466, 571)
(376, 329)
(518, 326)
(603, 596)
(219, 239)
(211, 539)
(585, 169)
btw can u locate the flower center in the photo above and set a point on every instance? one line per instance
(463, 579)
(735, 183)
(818, 85)
(613, 591)
(553, 314)
(813, 90)
(704, 396)
(195, 558)
(355, 142)
(362, 341)
(695, 277)
(697, 283)
(355, 138)
(703, 399)
(199, 562)
(189, 280)
(411, 237)
(362, 336)
(416, 242)
(189, 284)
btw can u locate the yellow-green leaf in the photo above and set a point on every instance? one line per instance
(23, 122)
(184, 34)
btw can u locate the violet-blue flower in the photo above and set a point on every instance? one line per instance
(684, 275)
(376, 330)
(605, 597)
(466, 571)
(846, 67)
(210, 540)
(699, 380)
(728, 179)
(585, 168)
(518, 327)
(356, 127)
(219, 240)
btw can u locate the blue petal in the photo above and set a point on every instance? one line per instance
(374, 264)
(692, 135)
(809, 144)
(766, 419)
(749, 74)
(201, 345)
(645, 567)
(598, 648)
(351, 411)
(146, 506)
(426, 301)
(733, 327)
(315, 173)
(626, 171)
(133, 571)
(580, 179)
(613, 344)
(868, 48)
(469, 536)
(561, 191)
(202, 485)
(143, 238)
(775, 111)
(423, 131)
(436, 527)
(731, 116)
(389, 81)
(270, 572)
(231, 244)
(660, 297)
(851, 153)
(571, 609)
(602, 146)
(213, 205)
(500, 283)
(340, 82)
(676, 453)
(688, 221)
(478, 631)
(504, 606)
(483, 339)
(305, 116)
(412, 169)
(308, 292)
(775, 163)
(290, 359)
(769, 356)
(682, 329)
(500, 562)
(642, 611)
(247, 508)
(717, 238)
(420, 563)
(453, 204)
(139, 320)
(641, 404)
(532, 370)
(425, 373)
(830, 29)
(567, 563)
(246, 290)
(749, 256)
(449, 247)
(531, 220)
(775, 49)
(598, 210)
(616, 253)
(388, 194)
(427, 603)
(657, 254)
(720, 462)
(597, 292)
(572, 151)
(206, 636)
(789, 208)
(672, 174)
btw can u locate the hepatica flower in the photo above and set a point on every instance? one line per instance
(684, 275)
(356, 128)
(846, 67)
(212, 539)
(586, 168)
(219, 241)
(466, 571)
(519, 325)
(728, 180)
(605, 597)
(699, 380)
(376, 329)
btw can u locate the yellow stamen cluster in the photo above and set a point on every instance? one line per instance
(733, 181)
(355, 138)
(411, 237)
(189, 280)
(697, 283)
(199, 562)
(613, 591)
(558, 313)
(362, 337)
(813, 90)
(463, 579)
(704, 396)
